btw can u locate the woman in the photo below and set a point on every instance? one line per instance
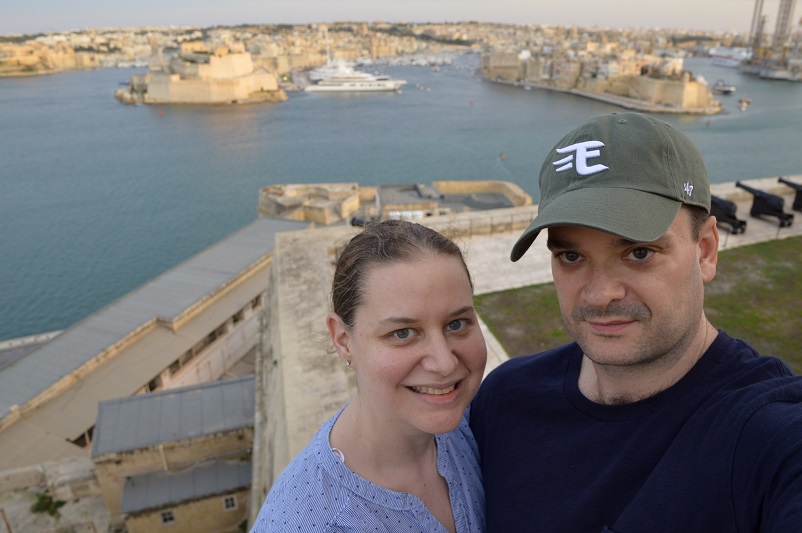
(400, 455)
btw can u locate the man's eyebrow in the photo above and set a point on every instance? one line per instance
(560, 244)
(621, 242)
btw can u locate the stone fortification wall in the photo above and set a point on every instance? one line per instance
(226, 67)
(36, 58)
(320, 203)
(270, 420)
(665, 92)
(390, 210)
(580, 77)
(510, 190)
(165, 88)
(299, 384)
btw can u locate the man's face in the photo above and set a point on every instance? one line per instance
(631, 303)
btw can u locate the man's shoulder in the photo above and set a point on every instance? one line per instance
(525, 375)
(534, 362)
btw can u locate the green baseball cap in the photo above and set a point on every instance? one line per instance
(621, 173)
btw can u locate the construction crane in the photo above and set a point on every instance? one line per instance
(756, 28)
(783, 29)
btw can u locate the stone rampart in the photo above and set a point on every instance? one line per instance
(320, 203)
(509, 190)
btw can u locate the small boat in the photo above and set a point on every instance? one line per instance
(743, 103)
(722, 87)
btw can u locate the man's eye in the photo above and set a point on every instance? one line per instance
(569, 257)
(639, 254)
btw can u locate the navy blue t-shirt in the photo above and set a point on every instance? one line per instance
(720, 450)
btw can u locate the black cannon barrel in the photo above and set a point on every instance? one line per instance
(767, 204)
(797, 205)
(725, 213)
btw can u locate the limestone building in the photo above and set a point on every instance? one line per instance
(226, 75)
(179, 459)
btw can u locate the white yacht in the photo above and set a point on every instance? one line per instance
(723, 56)
(344, 78)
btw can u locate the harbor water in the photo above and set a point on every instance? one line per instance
(99, 197)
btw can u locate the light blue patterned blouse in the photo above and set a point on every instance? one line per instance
(317, 492)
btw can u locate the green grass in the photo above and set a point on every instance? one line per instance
(756, 296)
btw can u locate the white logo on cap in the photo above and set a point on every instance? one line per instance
(688, 189)
(582, 156)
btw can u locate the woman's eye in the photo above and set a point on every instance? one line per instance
(640, 254)
(402, 333)
(456, 325)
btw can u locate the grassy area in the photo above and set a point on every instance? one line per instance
(756, 296)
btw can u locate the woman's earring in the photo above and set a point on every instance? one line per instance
(347, 362)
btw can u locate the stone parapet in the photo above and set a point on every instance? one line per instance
(514, 193)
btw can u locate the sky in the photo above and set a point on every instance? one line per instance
(44, 16)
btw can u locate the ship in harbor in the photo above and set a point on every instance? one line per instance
(341, 77)
(723, 56)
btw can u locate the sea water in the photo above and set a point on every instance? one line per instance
(97, 197)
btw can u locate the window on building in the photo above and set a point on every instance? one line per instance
(168, 517)
(155, 383)
(238, 316)
(86, 438)
(256, 302)
(229, 503)
(175, 367)
(188, 355)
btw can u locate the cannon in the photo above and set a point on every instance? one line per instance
(767, 204)
(797, 206)
(724, 211)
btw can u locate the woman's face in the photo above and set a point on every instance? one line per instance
(415, 345)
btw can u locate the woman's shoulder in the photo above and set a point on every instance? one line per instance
(306, 496)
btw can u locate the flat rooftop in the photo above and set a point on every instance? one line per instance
(410, 193)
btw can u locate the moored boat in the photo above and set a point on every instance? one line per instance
(722, 87)
(344, 78)
(723, 56)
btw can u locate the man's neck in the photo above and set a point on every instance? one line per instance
(617, 385)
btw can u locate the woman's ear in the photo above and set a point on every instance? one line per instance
(340, 336)
(708, 249)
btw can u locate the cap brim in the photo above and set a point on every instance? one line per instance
(635, 215)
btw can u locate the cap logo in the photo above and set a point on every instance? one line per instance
(582, 156)
(688, 189)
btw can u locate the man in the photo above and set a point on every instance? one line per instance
(652, 420)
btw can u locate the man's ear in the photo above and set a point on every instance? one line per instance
(340, 335)
(708, 249)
